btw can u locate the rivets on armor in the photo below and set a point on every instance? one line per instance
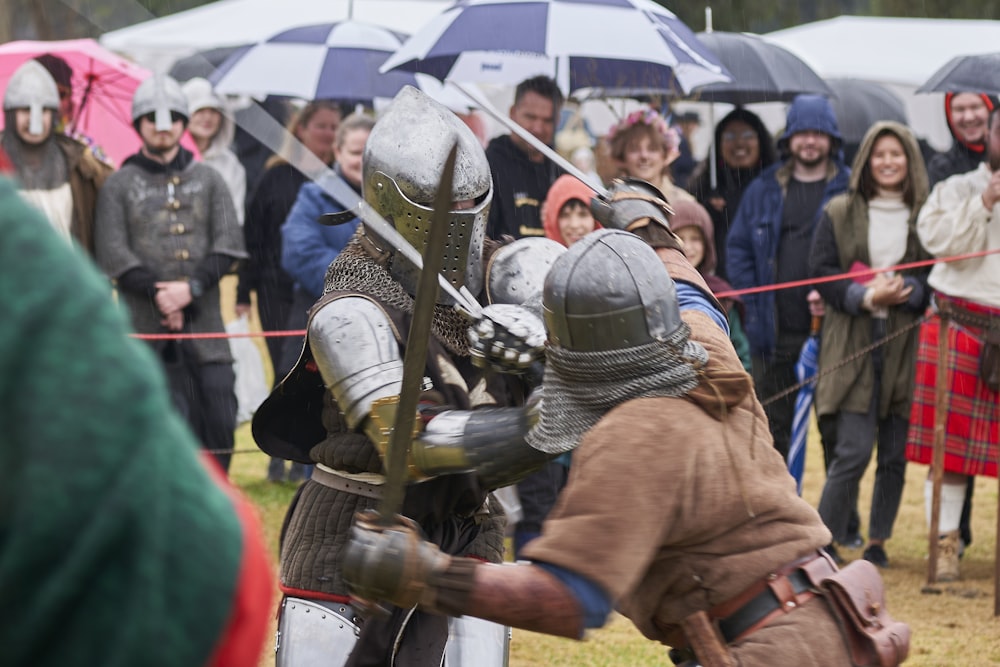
(179, 228)
(175, 204)
(182, 254)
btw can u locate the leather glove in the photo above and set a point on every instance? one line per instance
(507, 338)
(390, 563)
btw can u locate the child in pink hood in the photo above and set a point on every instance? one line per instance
(566, 215)
(692, 223)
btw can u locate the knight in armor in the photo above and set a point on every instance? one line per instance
(58, 174)
(326, 411)
(644, 387)
(166, 233)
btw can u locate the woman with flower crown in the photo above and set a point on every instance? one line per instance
(645, 145)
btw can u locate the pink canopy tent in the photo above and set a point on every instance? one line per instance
(103, 84)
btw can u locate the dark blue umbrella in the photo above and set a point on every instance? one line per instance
(331, 61)
(805, 369)
(605, 44)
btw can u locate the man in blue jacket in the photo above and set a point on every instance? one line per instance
(769, 243)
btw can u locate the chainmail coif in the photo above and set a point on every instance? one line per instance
(355, 270)
(589, 384)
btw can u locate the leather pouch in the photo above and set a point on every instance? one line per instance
(857, 596)
(989, 359)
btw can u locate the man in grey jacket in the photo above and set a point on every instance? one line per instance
(166, 232)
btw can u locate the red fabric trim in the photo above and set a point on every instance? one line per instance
(314, 595)
(6, 166)
(242, 642)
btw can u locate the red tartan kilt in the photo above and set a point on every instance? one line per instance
(971, 432)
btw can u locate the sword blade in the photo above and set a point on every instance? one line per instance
(417, 340)
(537, 143)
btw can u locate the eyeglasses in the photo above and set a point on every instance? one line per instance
(748, 135)
(174, 117)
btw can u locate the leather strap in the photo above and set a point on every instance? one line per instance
(780, 592)
(330, 479)
(783, 594)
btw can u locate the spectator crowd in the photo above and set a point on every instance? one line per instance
(792, 241)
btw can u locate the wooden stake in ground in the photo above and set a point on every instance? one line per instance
(937, 457)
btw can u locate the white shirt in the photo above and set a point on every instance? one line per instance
(954, 221)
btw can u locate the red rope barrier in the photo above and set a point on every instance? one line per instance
(854, 274)
(739, 292)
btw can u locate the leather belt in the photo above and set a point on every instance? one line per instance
(780, 592)
(340, 483)
(764, 604)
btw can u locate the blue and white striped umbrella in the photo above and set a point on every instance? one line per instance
(334, 61)
(612, 45)
(805, 369)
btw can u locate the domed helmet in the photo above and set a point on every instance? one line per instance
(609, 291)
(162, 96)
(31, 87)
(402, 165)
(614, 334)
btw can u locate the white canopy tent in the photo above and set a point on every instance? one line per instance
(157, 43)
(900, 53)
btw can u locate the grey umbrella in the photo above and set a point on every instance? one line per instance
(979, 73)
(858, 105)
(202, 64)
(762, 71)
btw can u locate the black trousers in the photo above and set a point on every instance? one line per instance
(204, 394)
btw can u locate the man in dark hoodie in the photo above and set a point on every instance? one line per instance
(167, 232)
(522, 176)
(967, 115)
(769, 243)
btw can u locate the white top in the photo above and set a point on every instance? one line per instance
(56, 204)
(888, 216)
(954, 221)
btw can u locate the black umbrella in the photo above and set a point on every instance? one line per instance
(858, 105)
(762, 71)
(201, 64)
(978, 73)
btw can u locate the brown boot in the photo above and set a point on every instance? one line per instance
(947, 561)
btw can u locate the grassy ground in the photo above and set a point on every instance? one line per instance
(954, 627)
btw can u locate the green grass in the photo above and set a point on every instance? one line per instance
(954, 627)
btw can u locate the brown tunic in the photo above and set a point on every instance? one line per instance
(675, 505)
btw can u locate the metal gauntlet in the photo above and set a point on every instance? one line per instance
(490, 442)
